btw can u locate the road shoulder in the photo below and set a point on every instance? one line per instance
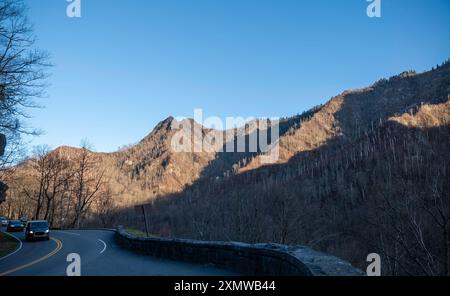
(8, 244)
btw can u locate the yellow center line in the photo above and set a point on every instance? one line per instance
(59, 246)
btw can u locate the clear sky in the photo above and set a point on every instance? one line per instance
(126, 65)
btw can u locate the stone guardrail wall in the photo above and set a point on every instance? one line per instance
(247, 259)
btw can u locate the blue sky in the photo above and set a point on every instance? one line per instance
(126, 65)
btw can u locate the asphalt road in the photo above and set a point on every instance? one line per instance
(100, 256)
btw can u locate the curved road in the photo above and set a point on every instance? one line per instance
(100, 256)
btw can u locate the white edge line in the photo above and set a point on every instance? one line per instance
(17, 250)
(104, 248)
(66, 232)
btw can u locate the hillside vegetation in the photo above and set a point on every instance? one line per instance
(366, 172)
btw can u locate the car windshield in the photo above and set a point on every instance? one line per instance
(39, 225)
(15, 222)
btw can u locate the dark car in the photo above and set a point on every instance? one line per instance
(3, 221)
(37, 230)
(14, 226)
(24, 221)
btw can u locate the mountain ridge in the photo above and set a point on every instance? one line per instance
(150, 168)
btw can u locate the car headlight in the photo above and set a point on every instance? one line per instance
(47, 231)
(30, 232)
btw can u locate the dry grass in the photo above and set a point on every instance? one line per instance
(137, 233)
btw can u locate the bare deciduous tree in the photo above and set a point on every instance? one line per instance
(22, 79)
(22, 67)
(88, 183)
